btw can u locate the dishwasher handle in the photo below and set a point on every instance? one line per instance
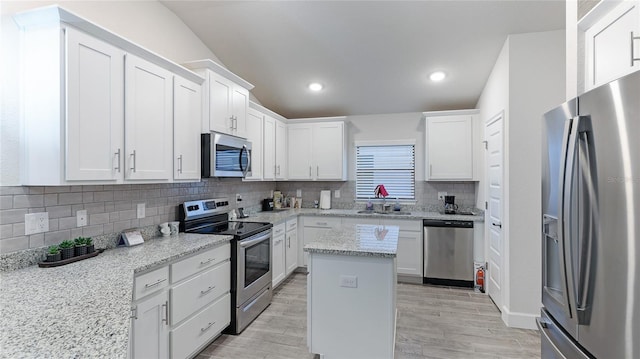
(447, 223)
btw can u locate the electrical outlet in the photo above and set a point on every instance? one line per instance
(141, 210)
(441, 195)
(36, 223)
(298, 193)
(81, 218)
(336, 193)
(349, 281)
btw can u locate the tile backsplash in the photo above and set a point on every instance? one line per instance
(112, 208)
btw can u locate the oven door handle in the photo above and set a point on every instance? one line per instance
(250, 242)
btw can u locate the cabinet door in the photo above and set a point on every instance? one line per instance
(278, 257)
(300, 150)
(409, 255)
(95, 101)
(220, 103)
(281, 150)
(328, 151)
(609, 45)
(449, 148)
(291, 251)
(187, 108)
(269, 156)
(240, 100)
(255, 135)
(310, 234)
(151, 328)
(148, 120)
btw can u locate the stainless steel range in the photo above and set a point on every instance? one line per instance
(251, 290)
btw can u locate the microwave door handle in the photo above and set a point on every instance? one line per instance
(563, 238)
(246, 170)
(247, 243)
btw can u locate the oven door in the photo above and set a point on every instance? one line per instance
(254, 265)
(225, 156)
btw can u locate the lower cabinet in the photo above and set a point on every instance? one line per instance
(314, 227)
(177, 317)
(278, 254)
(291, 246)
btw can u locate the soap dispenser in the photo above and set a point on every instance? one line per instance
(397, 207)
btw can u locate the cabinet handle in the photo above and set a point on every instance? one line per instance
(278, 170)
(321, 223)
(207, 327)
(309, 171)
(134, 313)
(155, 284)
(180, 164)
(207, 261)
(117, 168)
(633, 58)
(207, 290)
(317, 171)
(133, 161)
(166, 313)
(289, 242)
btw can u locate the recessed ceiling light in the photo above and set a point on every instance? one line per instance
(315, 86)
(437, 76)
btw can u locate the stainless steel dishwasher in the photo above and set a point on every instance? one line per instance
(448, 252)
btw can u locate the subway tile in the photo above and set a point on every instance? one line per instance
(12, 216)
(130, 214)
(108, 228)
(94, 208)
(92, 188)
(12, 190)
(67, 223)
(151, 211)
(70, 198)
(35, 189)
(50, 199)
(59, 211)
(53, 224)
(36, 240)
(87, 197)
(14, 244)
(6, 231)
(114, 217)
(92, 230)
(75, 233)
(122, 205)
(6, 202)
(109, 207)
(28, 201)
(18, 229)
(147, 221)
(56, 189)
(103, 196)
(37, 210)
(55, 237)
(121, 226)
(76, 207)
(99, 218)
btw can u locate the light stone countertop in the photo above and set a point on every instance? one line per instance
(81, 310)
(278, 216)
(357, 240)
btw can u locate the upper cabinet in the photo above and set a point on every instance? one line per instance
(269, 148)
(612, 41)
(317, 151)
(281, 150)
(187, 109)
(226, 98)
(451, 140)
(97, 109)
(255, 134)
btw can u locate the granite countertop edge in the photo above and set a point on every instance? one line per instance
(278, 216)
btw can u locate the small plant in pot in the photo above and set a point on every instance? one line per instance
(80, 246)
(90, 246)
(67, 249)
(53, 254)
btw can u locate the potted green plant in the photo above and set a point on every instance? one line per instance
(66, 247)
(90, 246)
(53, 254)
(80, 246)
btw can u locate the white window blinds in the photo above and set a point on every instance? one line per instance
(390, 165)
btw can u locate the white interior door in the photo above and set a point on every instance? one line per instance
(494, 170)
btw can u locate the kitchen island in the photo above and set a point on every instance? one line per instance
(351, 292)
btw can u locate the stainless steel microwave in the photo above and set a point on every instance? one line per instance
(225, 156)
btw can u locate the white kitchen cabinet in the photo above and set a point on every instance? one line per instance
(449, 146)
(226, 98)
(281, 150)
(612, 43)
(150, 327)
(255, 134)
(291, 250)
(317, 151)
(269, 164)
(278, 267)
(187, 119)
(148, 112)
(87, 105)
(314, 227)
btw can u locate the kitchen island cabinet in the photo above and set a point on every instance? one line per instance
(355, 267)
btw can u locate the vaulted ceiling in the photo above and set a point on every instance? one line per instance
(373, 57)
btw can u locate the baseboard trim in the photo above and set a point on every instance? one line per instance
(519, 320)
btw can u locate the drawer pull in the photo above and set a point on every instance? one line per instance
(207, 327)
(207, 290)
(166, 312)
(207, 261)
(155, 284)
(321, 223)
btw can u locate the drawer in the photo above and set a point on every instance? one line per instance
(151, 282)
(198, 262)
(404, 224)
(362, 220)
(193, 294)
(328, 222)
(292, 224)
(202, 328)
(278, 229)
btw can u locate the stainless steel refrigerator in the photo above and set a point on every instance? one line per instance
(591, 225)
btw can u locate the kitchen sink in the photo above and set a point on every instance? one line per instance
(397, 213)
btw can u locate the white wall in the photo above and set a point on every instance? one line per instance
(147, 23)
(528, 79)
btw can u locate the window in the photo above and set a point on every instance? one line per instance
(392, 165)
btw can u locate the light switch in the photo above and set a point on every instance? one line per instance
(81, 218)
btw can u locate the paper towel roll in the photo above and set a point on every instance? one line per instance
(325, 199)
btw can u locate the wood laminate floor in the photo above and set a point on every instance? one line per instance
(433, 322)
